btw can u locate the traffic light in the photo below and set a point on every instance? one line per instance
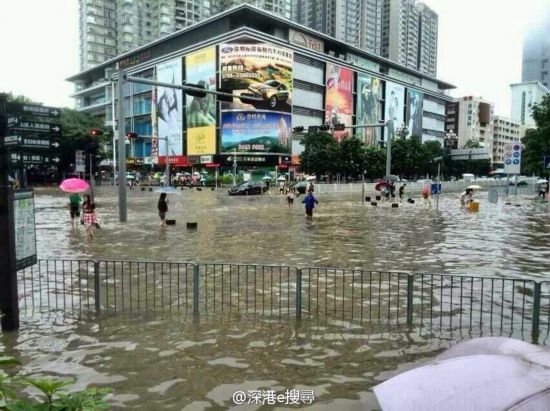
(95, 132)
(324, 127)
(298, 129)
(131, 135)
(339, 127)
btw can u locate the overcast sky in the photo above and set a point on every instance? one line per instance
(480, 43)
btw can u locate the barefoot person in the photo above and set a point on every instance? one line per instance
(162, 207)
(88, 208)
(74, 206)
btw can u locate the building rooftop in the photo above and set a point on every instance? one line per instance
(234, 20)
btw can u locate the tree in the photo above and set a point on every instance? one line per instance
(537, 141)
(375, 163)
(12, 98)
(472, 144)
(320, 154)
(351, 155)
(406, 156)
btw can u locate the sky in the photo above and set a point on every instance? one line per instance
(480, 46)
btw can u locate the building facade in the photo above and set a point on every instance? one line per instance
(112, 27)
(314, 81)
(427, 40)
(471, 119)
(524, 95)
(536, 53)
(505, 131)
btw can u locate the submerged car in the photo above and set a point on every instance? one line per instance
(272, 91)
(248, 188)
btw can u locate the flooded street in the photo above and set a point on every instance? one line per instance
(169, 362)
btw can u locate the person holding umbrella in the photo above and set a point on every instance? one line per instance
(74, 186)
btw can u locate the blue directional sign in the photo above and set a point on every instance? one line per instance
(547, 162)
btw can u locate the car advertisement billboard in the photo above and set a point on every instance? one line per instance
(415, 100)
(257, 70)
(200, 68)
(395, 96)
(256, 131)
(368, 108)
(338, 108)
(169, 112)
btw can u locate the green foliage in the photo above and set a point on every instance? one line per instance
(12, 98)
(53, 396)
(472, 144)
(351, 155)
(537, 141)
(375, 163)
(320, 154)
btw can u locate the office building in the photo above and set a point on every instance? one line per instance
(319, 80)
(505, 131)
(524, 95)
(536, 53)
(282, 8)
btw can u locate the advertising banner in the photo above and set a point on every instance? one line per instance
(338, 109)
(257, 70)
(154, 125)
(395, 96)
(414, 113)
(368, 108)
(169, 112)
(200, 68)
(256, 131)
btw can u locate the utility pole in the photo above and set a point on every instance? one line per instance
(122, 200)
(9, 302)
(235, 167)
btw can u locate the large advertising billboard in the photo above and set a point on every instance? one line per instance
(200, 68)
(368, 108)
(169, 112)
(262, 71)
(414, 113)
(256, 131)
(395, 99)
(338, 108)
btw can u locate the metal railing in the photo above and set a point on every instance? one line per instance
(435, 301)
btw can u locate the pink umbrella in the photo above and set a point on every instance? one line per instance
(74, 185)
(381, 184)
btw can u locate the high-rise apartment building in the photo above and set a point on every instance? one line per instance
(524, 96)
(355, 22)
(536, 53)
(111, 27)
(471, 119)
(282, 8)
(427, 40)
(400, 24)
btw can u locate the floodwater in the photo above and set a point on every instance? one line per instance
(170, 362)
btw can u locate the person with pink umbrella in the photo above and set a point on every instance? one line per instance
(74, 186)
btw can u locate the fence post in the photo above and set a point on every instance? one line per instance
(96, 288)
(410, 279)
(298, 293)
(195, 290)
(536, 313)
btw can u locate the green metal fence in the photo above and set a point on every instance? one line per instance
(434, 301)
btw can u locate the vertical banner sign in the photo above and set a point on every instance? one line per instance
(395, 96)
(338, 106)
(262, 71)
(155, 136)
(368, 108)
(169, 112)
(25, 233)
(79, 162)
(414, 113)
(200, 68)
(512, 158)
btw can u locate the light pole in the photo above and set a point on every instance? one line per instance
(438, 160)
(235, 167)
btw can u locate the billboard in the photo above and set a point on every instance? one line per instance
(257, 70)
(414, 112)
(262, 71)
(338, 108)
(256, 131)
(395, 96)
(368, 108)
(169, 112)
(200, 68)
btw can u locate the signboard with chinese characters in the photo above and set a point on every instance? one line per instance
(34, 110)
(19, 124)
(512, 158)
(25, 232)
(306, 41)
